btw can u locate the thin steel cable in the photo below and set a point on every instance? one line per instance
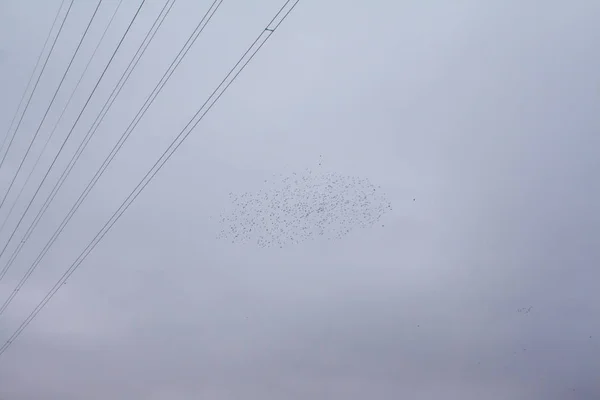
(93, 129)
(153, 171)
(32, 75)
(141, 112)
(37, 131)
(36, 84)
(15, 202)
(3, 273)
(124, 77)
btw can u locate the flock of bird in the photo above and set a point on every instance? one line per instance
(302, 206)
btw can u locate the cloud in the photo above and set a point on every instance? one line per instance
(479, 122)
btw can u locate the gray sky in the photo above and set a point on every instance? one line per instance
(485, 113)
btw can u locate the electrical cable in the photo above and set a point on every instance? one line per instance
(99, 119)
(122, 80)
(15, 202)
(36, 84)
(141, 112)
(185, 132)
(5, 269)
(37, 131)
(32, 75)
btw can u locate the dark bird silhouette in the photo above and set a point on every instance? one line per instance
(303, 206)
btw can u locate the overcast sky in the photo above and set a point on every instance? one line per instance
(486, 113)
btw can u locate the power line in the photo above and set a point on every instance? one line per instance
(174, 64)
(115, 92)
(198, 116)
(32, 75)
(141, 112)
(3, 273)
(99, 119)
(61, 115)
(12, 182)
(36, 84)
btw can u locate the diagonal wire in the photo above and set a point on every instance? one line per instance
(99, 119)
(5, 269)
(199, 28)
(36, 84)
(32, 75)
(117, 89)
(61, 116)
(115, 92)
(12, 182)
(185, 132)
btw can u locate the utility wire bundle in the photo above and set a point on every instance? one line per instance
(116, 90)
(230, 77)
